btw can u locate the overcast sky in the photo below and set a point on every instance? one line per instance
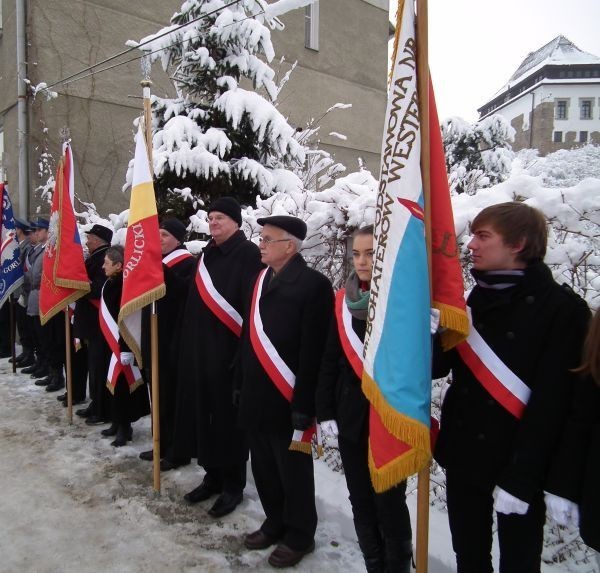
(476, 45)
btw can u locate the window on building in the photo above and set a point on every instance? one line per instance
(557, 138)
(311, 26)
(583, 136)
(585, 109)
(561, 109)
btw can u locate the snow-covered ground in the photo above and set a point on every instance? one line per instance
(71, 502)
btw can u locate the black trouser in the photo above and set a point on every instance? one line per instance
(53, 341)
(231, 479)
(5, 328)
(23, 327)
(286, 486)
(382, 520)
(79, 372)
(470, 513)
(98, 361)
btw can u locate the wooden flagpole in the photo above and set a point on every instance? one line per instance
(11, 304)
(68, 367)
(146, 83)
(422, 34)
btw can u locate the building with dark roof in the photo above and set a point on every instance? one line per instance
(553, 98)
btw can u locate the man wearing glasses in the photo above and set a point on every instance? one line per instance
(282, 344)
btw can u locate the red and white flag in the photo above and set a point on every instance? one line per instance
(64, 278)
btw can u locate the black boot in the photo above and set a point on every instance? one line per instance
(40, 372)
(111, 431)
(28, 359)
(44, 381)
(124, 435)
(58, 380)
(31, 368)
(371, 545)
(398, 556)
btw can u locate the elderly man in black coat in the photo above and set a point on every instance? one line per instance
(178, 267)
(512, 383)
(284, 337)
(86, 326)
(206, 421)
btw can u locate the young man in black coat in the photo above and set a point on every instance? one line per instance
(178, 267)
(282, 344)
(86, 326)
(511, 388)
(206, 421)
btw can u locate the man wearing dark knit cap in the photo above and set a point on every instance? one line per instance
(284, 337)
(178, 267)
(206, 421)
(86, 326)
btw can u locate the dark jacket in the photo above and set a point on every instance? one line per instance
(536, 328)
(576, 467)
(296, 309)
(85, 322)
(339, 393)
(205, 425)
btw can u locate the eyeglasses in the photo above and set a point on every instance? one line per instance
(265, 241)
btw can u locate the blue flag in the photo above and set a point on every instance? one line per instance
(11, 270)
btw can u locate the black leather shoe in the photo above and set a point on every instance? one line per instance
(5, 353)
(75, 402)
(94, 420)
(259, 540)
(56, 385)
(167, 465)
(124, 435)
(62, 397)
(147, 456)
(84, 412)
(30, 369)
(40, 372)
(203, 492)
(284, 556)
(26, 361)
(225, 504)
(111, 431)
(43, 381)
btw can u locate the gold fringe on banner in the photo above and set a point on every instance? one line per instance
(402, 427)
(456, 323)
(304, 447)
(396, 471)
(60, 306)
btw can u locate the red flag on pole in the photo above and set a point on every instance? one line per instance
(64, 278)
(143, 279)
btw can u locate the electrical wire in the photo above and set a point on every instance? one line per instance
(124, 52)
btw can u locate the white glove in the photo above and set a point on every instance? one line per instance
(507, 503)
(330, 428)
(127, 358)
(434, 317)
(21, 301)
(561, 510)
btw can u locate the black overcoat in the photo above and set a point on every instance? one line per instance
(576, 467)
(339, 393)
(296, 310)
(205, 425)
(85, 321)
(536, 328)
(125, 406)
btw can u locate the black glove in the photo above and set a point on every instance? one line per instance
(301, 421)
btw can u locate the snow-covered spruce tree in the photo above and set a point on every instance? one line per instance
(477, 155)
(219, 136)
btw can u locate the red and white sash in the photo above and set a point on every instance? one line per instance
(274, 365)
(501, 382)
(175, 257)
(110, 330)
(351, 344)
(216, 302)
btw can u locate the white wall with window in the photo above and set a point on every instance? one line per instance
(576, 110)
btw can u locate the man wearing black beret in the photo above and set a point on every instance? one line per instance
(283, 340)
(178, 267)
(205, 425)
